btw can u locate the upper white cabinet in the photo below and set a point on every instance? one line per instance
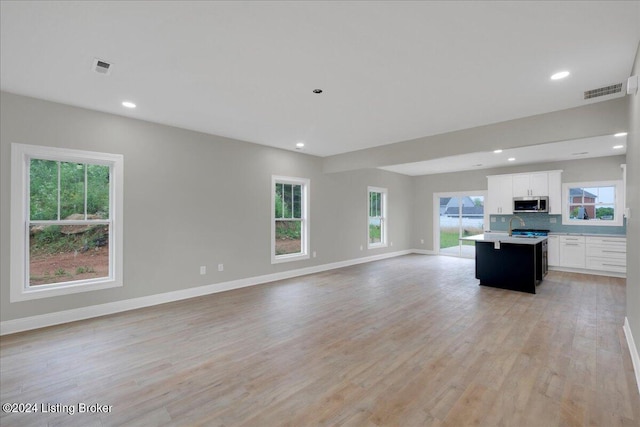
(503, 188)
(500, 197)
(555, 192)
(533, 184)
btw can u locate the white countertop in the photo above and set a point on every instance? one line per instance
(559, 233)
(503, 238)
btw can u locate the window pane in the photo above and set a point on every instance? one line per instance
(375, 204)
(288, 237)
(288, 200)
(575, 195)
(43, 191)
(297, 201)
(605, 195)
(71, 190)
(582, 211)
(375, 230)
(97, 192)
(592, 203)
(372, 211)
(278, 202)
(605, 213)
(67, 253)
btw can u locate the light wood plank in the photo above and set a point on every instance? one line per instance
(406, 341)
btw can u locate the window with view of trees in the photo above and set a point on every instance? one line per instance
(592, 203)
(377, 227)
(64, 228)
(289, 222)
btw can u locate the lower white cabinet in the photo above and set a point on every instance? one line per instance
(602, 254)
(572, 251)
(607, 254)
(553, 251)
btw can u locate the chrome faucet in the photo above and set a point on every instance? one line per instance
(511, 221)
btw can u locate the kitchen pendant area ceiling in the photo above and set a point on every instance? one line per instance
(389, 71)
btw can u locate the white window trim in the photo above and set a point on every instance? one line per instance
(20, 157)
(385, 219)
(619, 203)
(306, 188)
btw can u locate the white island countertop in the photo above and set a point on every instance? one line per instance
(503, 238)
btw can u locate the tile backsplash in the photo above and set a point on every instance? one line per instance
(545, 222)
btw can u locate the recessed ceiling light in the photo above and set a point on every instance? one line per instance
(619, 134)
(317, 91)
(497, 151)
(582, 153)
(299, 145)
(617, 147)
(128, 104)
(560, 75)
(511, 159)
(479, 164)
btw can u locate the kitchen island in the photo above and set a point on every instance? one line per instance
(517, 263)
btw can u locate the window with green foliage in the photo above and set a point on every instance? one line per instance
(289, 221)
(377, 227)
(69, 221)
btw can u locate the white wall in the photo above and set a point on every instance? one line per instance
(600, 118)
(193, 199)
(633, 223)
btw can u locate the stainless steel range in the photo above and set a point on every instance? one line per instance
(530, 232)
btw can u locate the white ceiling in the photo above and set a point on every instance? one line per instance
(599, 146)
(390, 71)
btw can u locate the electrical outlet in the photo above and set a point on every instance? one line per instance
(390, 243)
(203, 269)
(361, 247)
(220, 267)
(502, 219)
(422, 241)
(493, 219)
(314, 254)
(553, 220)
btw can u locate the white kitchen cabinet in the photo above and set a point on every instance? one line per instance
(503, 188)
(553, 251)
(595, 254)
(531, 184)
(555, 192)
(500, 196)
(572, 251)
(606, 254)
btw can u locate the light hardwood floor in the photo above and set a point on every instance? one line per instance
(409, 341)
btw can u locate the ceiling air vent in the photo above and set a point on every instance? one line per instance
(101, 67)
(602, 91)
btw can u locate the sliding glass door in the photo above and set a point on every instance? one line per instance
(459, 215)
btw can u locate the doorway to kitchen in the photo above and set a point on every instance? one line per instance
(459, 214)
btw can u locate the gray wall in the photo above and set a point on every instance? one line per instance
(192, 199)
(603, 168)
(633, 202)
(601, 118)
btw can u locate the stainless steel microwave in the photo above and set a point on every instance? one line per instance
(530, 204)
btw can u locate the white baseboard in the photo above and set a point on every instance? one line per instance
(66, 316)
(633, 350)
(585, 271)
(424, 252)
